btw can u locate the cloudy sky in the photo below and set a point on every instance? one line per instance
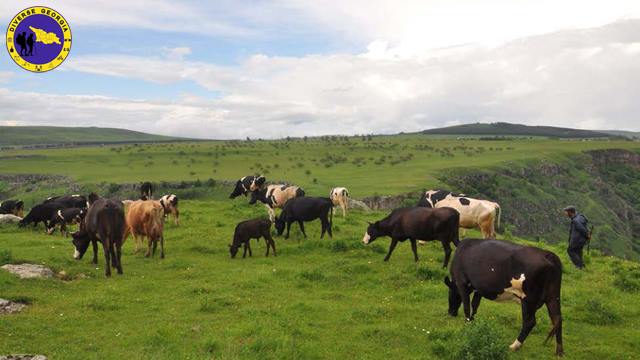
(231, 68)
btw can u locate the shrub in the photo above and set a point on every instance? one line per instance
(5, 256)
(424, 273)
(627, 279)
(479, 341)
(339, 246)
(597, 313)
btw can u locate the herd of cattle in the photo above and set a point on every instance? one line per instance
(496, 270)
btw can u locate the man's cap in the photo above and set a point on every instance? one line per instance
(570, 208)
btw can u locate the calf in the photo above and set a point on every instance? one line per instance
(481, 214)
(340, 197)
(104, 223)
(246, 185)
(13, 207)
(64, 217)
(303, 209)
(275, 196)
(170, 205)
(146, 218)
(41, 213)
(503, 271)
(69, 201)
(251, 229)
(417, 223)
(146, 191)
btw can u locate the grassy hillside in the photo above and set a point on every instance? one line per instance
(506, 129)
(318, 299)
(52, 135)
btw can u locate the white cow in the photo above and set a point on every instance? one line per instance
(474, 213)
(340, 197)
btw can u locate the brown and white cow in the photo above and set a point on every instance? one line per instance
(170, 204)
(145, 218)
(275, 196)
(340, 197)
(474, 214)
(504, 271)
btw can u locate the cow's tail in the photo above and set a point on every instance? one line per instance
(330, 214)
(498, 216)
(455, 236)
(554, 281)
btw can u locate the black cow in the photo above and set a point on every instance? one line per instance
(146, 191)
(303, 209)
(103, 223)
(251, 229)
(417, 223)
(431, 197)
(65, 217)
(69, 201)
(500, 270)
(246, 185)
(13, 207)
(41, 213)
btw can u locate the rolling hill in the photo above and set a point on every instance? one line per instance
(507, 129)
(53, 135)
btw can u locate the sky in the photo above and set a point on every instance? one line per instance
(270, 69)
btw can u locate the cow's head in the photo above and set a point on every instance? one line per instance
(18, 210)
(454, 297)
(425, 200)
(80, 243)
(258, 194)
(279, 223)
(238, 190)
(93, 197)
(257, 183)
(373, 232)
(233, 250)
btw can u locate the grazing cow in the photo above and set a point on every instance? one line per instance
(251, 229)
(9, 219)
(275, 196)
(502, 271)
(64, 217)
(170, 205)
(340, 197)
(481, 214)
(146, 218)
(13, 207)
(246, 185)
(69, 201)
(303, 209)
(417, 223)
(146, 191)
(41, 213)
(104, 223)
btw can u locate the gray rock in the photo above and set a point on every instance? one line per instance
(28, 271)
(22, 357)
(10, 307)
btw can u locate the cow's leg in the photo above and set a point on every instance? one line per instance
(107, 257)
(329, 230)
(155, 245)
(249, 247)
(269, 240)
(553, 307)
(162, 247)
(288, 229)
(176, 216)
(119, 255)
(272, 213)
(301, 224)
(244, 246)
(466, 302)
(414, 248)
(63, 229)
(149, 241)
(94, 244)
(114, 256)
(528, 322)
(475, 303)
(447, 252)
(394, 242)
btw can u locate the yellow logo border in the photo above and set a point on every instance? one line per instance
(10, 35)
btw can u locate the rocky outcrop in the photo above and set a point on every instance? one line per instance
(28, 271)
(10, 307)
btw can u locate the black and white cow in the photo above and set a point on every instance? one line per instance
(275, 196)
(69, 201)
(146, 191)
(246, 185)
(417, 223)
(41, 213)
(504, 271)
(64, 217)
(301, 209)
(104, 223)
(481, 214)
(170, 204)
(13, 207)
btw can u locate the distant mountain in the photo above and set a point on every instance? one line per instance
(45, 136)
(627, 134)
(507, 129)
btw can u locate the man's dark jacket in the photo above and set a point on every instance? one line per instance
(578, 232)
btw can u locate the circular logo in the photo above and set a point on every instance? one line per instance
(38, 39)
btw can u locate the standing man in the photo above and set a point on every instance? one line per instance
(578, 235)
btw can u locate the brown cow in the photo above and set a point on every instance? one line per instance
(146, 218)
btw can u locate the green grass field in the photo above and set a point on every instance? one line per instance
(316, 299)
(386, 165)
